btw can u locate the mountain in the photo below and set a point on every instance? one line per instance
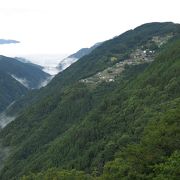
(24, 60)
(10, 90)
(8, 41)
(113, 114)
(66, 62)
(16, 78)
(28, 74)
(84, 51)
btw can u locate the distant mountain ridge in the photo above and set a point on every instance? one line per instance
(24, 60)
(66, 62)
(8, 41)
(84, 51)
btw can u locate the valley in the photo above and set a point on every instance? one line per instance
(111, 113)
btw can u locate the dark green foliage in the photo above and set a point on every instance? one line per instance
(58, 174)
(154, 157)
(33, 74)
(160, 140)
(127, 129)
(169, 169)
(10, 90)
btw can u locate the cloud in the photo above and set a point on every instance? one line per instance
(45, 82)
(8, 41)
(4, 120)
(65, 63)
(23, 81)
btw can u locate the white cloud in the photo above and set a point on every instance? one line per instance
(4, 120)
(45, 82)
(23, 81)
(66, 62)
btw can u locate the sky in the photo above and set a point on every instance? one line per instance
(65, 26)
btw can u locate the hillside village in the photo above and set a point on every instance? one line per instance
(143, 54)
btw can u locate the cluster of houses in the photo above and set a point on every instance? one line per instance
(138, 56)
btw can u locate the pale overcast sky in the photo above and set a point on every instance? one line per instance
(64, 26)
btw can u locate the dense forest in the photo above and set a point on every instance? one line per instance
(10, 90)
(127, 128)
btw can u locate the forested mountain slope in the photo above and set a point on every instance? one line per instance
(149, 37)
(16, 78)
(10, 89)
(116, 50)
(138, 125)
(27, 74)
(127, 128)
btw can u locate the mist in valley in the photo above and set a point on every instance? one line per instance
(4, 119)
